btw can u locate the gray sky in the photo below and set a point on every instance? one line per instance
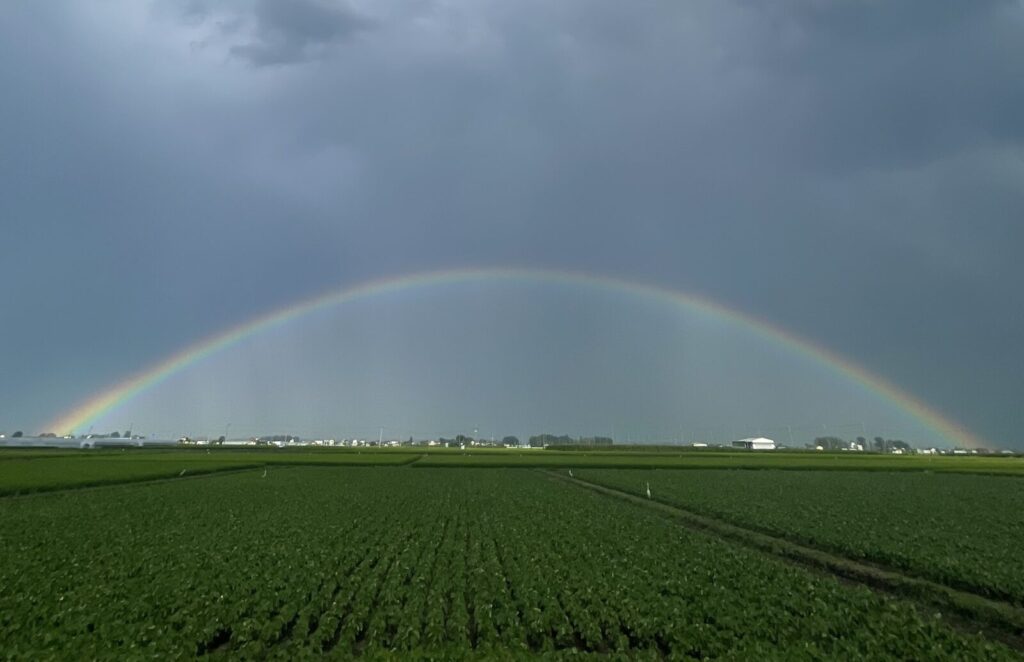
(852, 172)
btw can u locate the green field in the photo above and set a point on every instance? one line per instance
(25, 470)
(302, 553)
(370, 560)
(961, 530)
(712, 459)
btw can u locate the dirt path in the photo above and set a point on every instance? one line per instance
(967, 611)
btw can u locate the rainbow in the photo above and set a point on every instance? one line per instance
(86, 412)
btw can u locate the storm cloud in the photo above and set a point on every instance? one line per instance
(268, 33)
(850, 171)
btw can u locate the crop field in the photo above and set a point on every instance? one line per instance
(293, 562)
(34, 470)
(723, 459)
(24, 472)
(965, 531)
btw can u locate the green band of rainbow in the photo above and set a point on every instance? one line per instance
(82, 415)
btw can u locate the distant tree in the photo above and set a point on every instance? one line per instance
(221, 439)
(879, 443)
(127, 434)
(863, 442)
(541, 440)
(510, 441)
(18, 434)
(114, 435)
(47, 435)
(830, 443)
(462, 439)
(898, 443)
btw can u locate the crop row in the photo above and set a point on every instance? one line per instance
(961, 530)
(345, 561)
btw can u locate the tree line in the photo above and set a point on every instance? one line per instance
(542, 440)
(878, 444)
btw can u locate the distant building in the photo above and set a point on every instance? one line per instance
(755, 444)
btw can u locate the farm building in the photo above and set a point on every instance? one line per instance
(755, 443)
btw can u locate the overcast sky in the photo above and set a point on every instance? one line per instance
(850, 171)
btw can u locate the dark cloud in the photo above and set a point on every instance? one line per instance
(848, 170)
(870, 85)
(292, 32)
(269, 33)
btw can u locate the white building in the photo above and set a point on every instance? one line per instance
(755, 443)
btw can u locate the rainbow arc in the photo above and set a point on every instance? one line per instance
(85, 413)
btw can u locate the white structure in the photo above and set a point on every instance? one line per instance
(755, 443)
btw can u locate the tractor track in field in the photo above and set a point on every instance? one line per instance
(103, 484)
(190, 473)
(964, 610)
